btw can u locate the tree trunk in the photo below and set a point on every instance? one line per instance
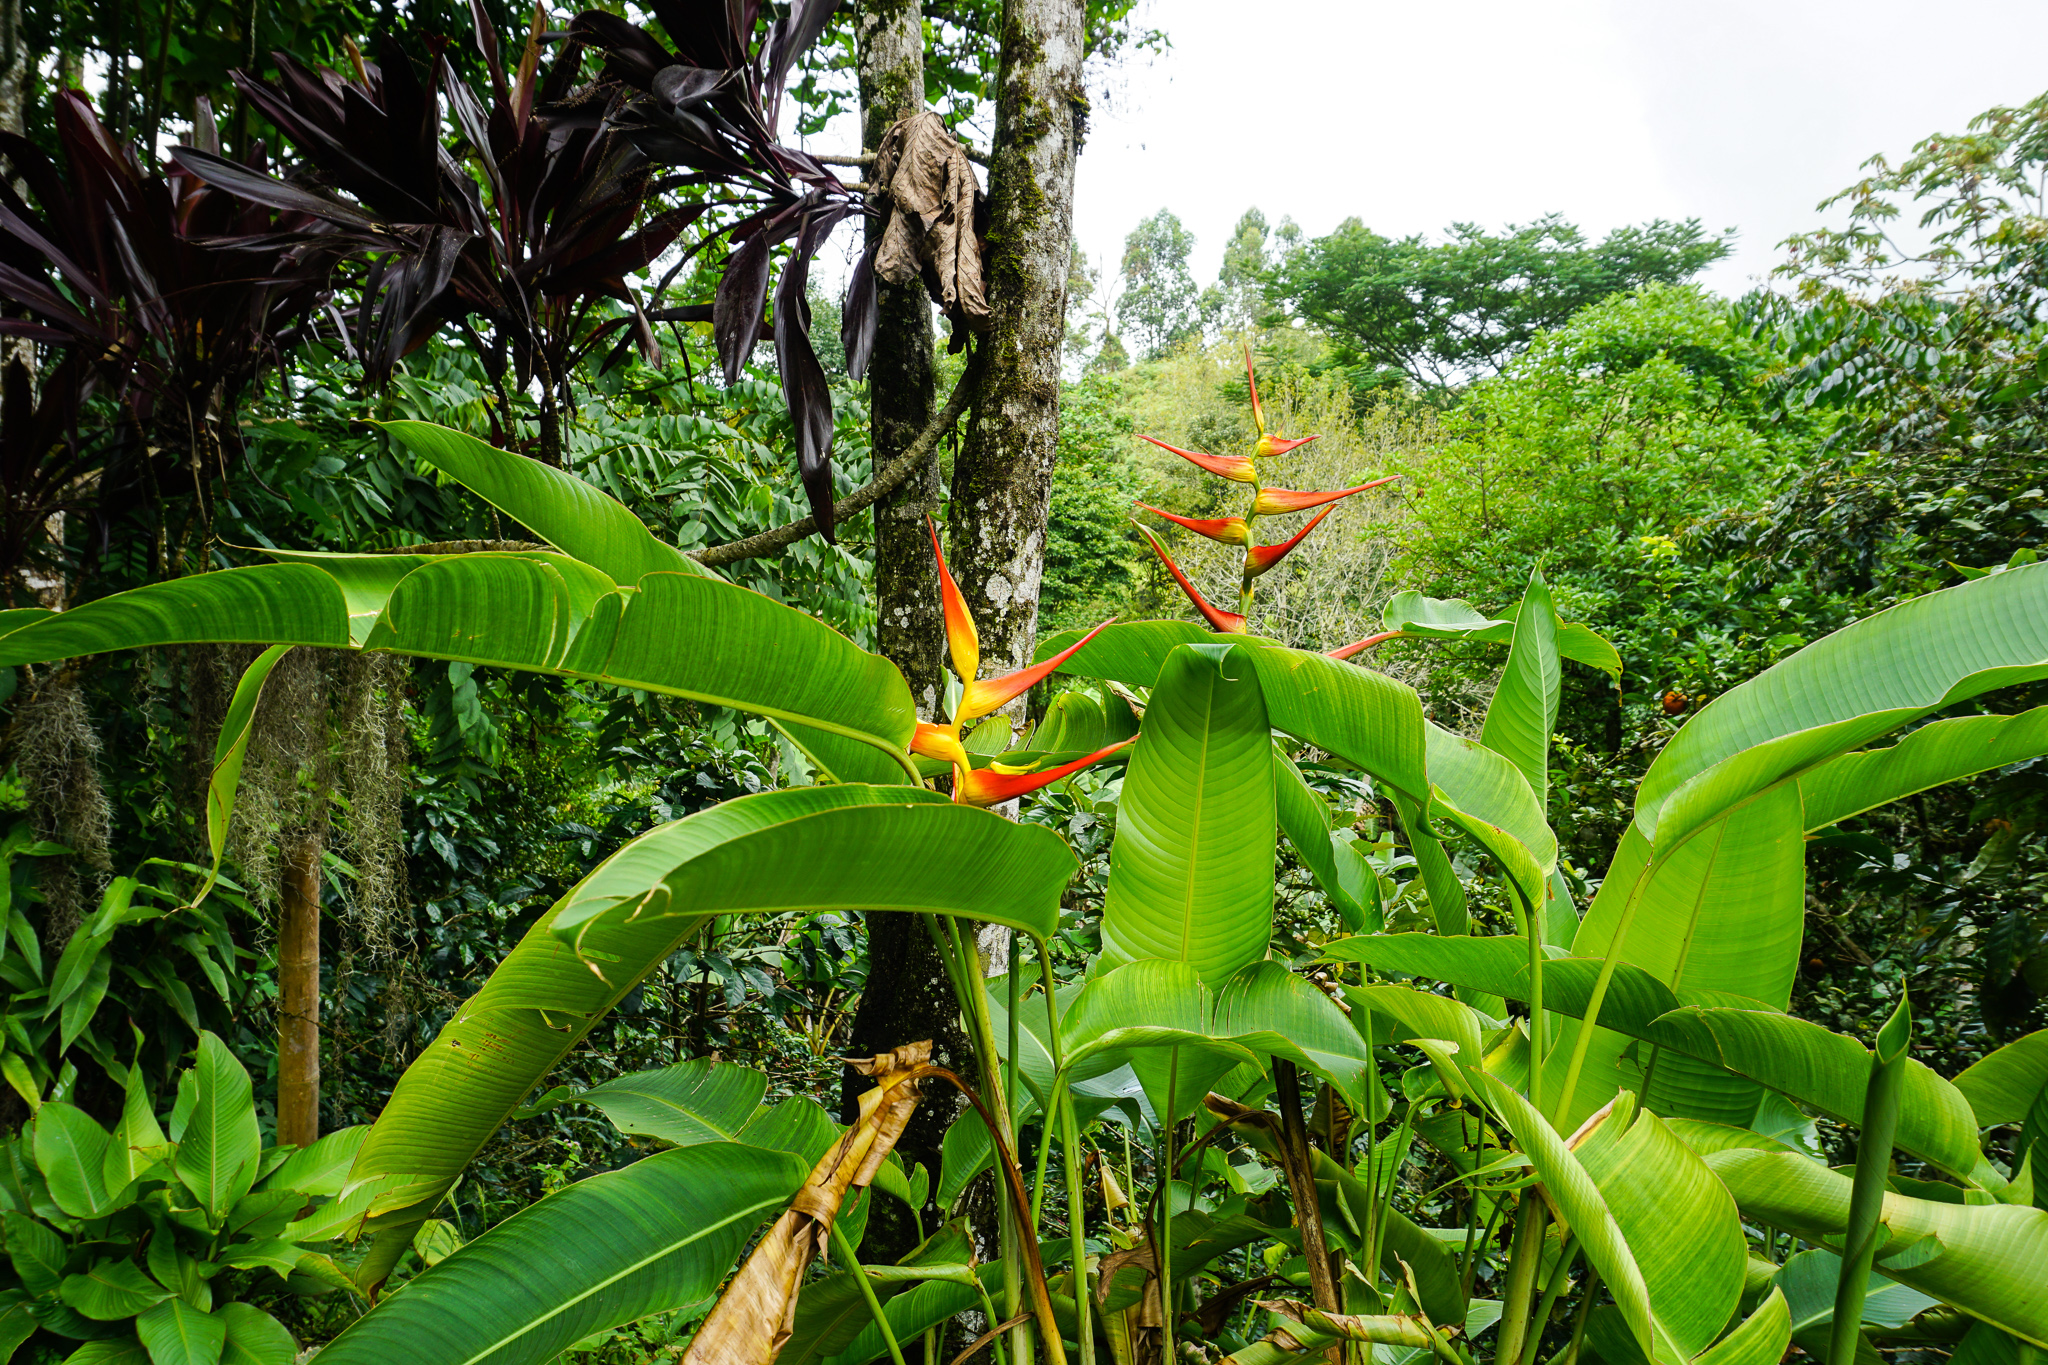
(298, 988)
(14, 70)
(902, 382)
(907, 997)
(1002, 479)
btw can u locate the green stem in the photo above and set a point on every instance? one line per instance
(1525, 1258)
(1608, 962)
(1538, 1029)
(1165, 1252)
(1560, 1276)
(844, 1247)
(1070, 1155)
(1865, 1231)
(1380, 1206)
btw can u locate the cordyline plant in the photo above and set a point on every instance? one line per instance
(705, 98)
(1266, 502)
(113, 271)
(524, 250)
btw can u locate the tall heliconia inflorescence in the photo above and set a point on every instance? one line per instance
(998, 782)
(1266, 502)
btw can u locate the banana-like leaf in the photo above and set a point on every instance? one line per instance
(1131, 652)
(577, 518)
(268, 605)
(1939, 752)
(1648, 1214)
(1722, 912)
(228, 752)
(1840, 693)
(806, 849)
(1989, 1260)
(697, 1101)
(1191, 869)
(1801, 1060)
(1451, 618)
(1272, 1011)
(220, 1148)
(1447, 900)
(1376, 723)
(1351, 886)
(2005, 1086)
(1523, 711)
(1084, 720)
(674, 633)
(658, 1235)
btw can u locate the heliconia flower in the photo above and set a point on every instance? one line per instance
(1355, 646)
(1000, 782)
(1235, 467)
(1229, 530)
(963, 642)
(980, 698)
(939, 741)
(1273, 501)
(1269, 446)
(1260, 558)
(1226, 622)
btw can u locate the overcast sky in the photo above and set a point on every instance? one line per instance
(1742, 113)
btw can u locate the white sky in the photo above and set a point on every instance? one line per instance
(1742, 113)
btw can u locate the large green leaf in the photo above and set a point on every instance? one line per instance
(218, 1152)
(1989, 1260)
(1351, 886)
(71, 1153)
(1844, 691)
(1681, 1225)
(700, 1100)
(111, 1290)
(1523, 711)
(1802, 1060)
(1943, 751)
(577, 518)
(271, 604)
(808, 849)
(1270, 1010)
(1191, 868)
(176, 1333)
(1723, 912)
(1654, 1221)
(1376, 723)
(674, 633)
(1451, 618)
(658, 1235)
(2004, 1086)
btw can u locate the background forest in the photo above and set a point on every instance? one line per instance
(1710, 483)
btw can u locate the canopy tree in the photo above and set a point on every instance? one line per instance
(1438, 314)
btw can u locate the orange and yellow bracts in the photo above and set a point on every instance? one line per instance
(941, 741)
(1227, 622)
(1002, 782)
(1276, 501)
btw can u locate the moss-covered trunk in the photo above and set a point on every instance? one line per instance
(907, 998)
(1002, 479)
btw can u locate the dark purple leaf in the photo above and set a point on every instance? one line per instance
(860, 316)
(737, 307)
(804, 387)
(682, 86)
(268, 189)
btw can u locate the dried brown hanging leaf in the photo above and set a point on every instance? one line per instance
(755, 1314)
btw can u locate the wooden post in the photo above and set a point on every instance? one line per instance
(298, 1008)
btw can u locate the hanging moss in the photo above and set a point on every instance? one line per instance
(58, 753)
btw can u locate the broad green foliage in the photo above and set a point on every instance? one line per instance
(123, 1239)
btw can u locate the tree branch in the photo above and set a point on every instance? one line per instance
(924, 448)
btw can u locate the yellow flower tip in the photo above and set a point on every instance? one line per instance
(962, 641)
